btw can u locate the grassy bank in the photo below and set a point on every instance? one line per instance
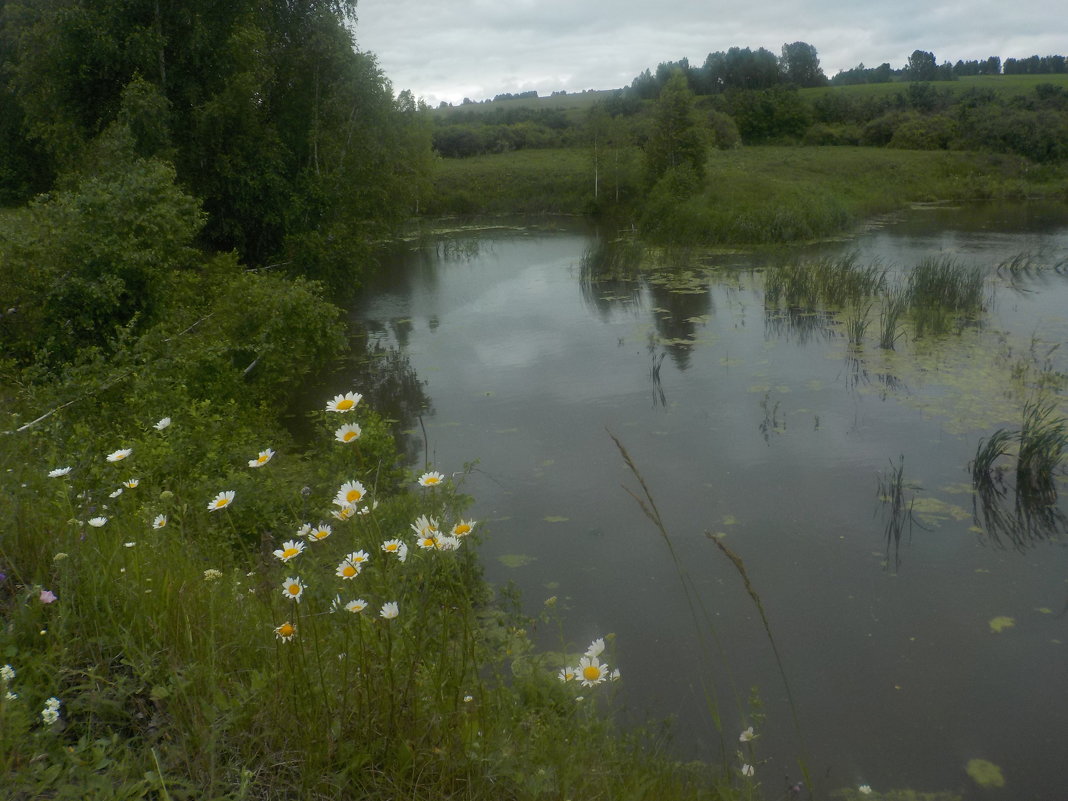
(752, 195)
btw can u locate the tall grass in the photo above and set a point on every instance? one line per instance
(235, 647)
(943, 293)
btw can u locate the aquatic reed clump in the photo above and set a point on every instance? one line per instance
(892, 493)
(1043, 439)
(943, 293)
(986, 472)
(895, 303)
(833, 282)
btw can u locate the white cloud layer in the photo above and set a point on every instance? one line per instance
(451, 49)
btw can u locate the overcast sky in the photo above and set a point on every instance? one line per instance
(451, 49)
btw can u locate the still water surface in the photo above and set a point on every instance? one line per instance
(766, 429)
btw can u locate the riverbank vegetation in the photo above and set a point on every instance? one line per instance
(206, 589)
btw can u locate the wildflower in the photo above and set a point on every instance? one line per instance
(162, 423)
(7, 673)
(615, 675)
(97, 522)
(351, 492)
(427, 543)
(304, 530)
(446, 543)
(424, 526)
(59, 557)
(262, 459)
(211, 574)
(431, 479)
(591, 670)
(356, 606)
(320, 532)
(596, 647)
(344, 403)
(389, 610)
(160, 521)
(348, 569)
(463, 528)
(129, 544)
(285, 632)
(59, 471)
(50, 713)
(397, 548)
(119, 455)
(567, 674)
(468, 699)
(221, 501)
(131, 483)
(293, 588)
(343, 513)
(366, 510)
(350, 432)
(864, 789)
(746, 736)
(289, 549)
(747, 770)
(116, 493)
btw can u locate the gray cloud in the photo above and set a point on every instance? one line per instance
(451, 49)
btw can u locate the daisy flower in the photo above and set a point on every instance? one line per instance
(119, 455)
(596, 647)
(396, 547)
(293, 588)
(424, 525)
(343, 513)
(748, 770)
(159, 521)
(427, 543)
(285, 632)
(97, 522)
(344, 403)
(351, 493)
(864, 789)
(615, 675)
(447, 543)
(116, 493)
(463, 528)
(350, 432)
(289, 549)
(348, 569)
(567, 674)
(356, 606)
(262, 459)
(221, 501)
(305, 530)
(131, 483)
(747, 735)
(7, 673)
(162, 423)
(431, 479)
(592, 671)
(59, 471)
(320, 532)
(389, 610)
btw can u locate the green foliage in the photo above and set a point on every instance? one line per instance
(676, 139)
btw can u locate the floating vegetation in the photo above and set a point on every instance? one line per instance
(1000, 623)
(985, 774)
(772, 422)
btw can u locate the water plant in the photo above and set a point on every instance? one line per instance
(898, 501)
(942, 292)
(1043, 438)
(895, 303)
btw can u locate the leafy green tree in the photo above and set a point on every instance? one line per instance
(800, 65)
(677, 138)
(922, 66)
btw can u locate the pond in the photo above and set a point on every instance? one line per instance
(913, 638)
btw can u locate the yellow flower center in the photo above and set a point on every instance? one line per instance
(345, 405)
(461, 529)
(262, 458)
(391, 546)
(219, 504)
(353, 496)
(289, 553)
(286, 630)
(350, 436)
(591, 673)
(294, 589)
(348, 571)
(432, 480)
